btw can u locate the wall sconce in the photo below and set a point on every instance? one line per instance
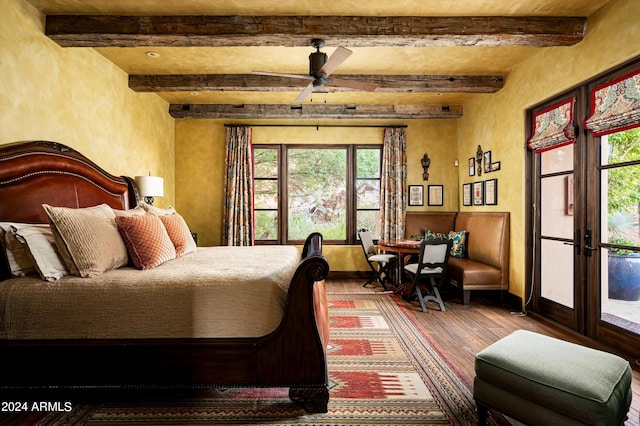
(426, 162)
(479, 160)
(149, 187)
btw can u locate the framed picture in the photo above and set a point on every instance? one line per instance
(435, 195)
(416, 195)
(487, 161)
(466, 194)
(478, 193)
(472, 166)
(491, 192)
(495, 166)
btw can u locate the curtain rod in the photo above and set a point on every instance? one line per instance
(317, 125)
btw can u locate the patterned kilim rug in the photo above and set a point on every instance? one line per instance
(383, 369)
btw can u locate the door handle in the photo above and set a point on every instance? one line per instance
(587, 243)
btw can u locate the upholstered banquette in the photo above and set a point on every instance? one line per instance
(484, 264)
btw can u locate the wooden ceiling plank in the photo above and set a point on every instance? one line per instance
(261, 83)
(351, 31)
(314, 111)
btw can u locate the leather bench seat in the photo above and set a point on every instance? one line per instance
(471, 274)
(485, 263)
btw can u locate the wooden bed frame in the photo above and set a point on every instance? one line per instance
(293, 355)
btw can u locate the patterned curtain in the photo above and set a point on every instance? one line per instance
(238, 208)
(393, 191)
(615, 106)
(553, 127)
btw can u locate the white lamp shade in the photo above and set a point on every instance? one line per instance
(150, 186)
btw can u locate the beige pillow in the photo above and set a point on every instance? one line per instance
(87, 239)
(146, 239)
(179, 233)
(40, 244)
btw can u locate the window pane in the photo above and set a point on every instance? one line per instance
(317, 182)
(368, 193)
(368, 219)
(368, 160)
(266, 225)
(557, 160)
(621, 147)
(621, 187)
(265, 163)
(266, 194)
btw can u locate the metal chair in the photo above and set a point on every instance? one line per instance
(379, 263)
(432, 264)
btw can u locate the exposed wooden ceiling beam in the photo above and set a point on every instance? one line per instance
(354, 31)
(261, 83)
(314, 111)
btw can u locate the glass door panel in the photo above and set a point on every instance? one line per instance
(556, 280)
(557, 226)
(620, 230)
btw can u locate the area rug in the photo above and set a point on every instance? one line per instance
(383, 368)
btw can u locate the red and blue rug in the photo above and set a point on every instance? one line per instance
(383, 369)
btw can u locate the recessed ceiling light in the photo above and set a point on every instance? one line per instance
(153, 54)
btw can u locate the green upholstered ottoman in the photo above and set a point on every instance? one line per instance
(540, 380)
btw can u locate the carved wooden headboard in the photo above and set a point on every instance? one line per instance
(37, 172)
(33, 173)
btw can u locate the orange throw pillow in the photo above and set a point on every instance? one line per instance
(147, 241)
(179, 233)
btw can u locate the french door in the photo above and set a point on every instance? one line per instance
(559, 219)
(585, 244)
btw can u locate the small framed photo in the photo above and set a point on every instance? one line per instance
(487, 161)
(495, 166)
(491, 192)
(478, 193)
(435, 195)
(466, 194)
(416, 195)
(472, 166)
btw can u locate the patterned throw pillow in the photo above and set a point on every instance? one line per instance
(458, 239)
(430, 235)
(179, 233)
(146, 239)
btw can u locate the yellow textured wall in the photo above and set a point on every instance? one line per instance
(497, 122)
(78, 98)
(200, 151)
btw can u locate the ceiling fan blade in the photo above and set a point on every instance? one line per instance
(305, 93)
(277, 74)
(338, 57)
(353, 84)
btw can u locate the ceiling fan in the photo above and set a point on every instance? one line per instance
(320, 68)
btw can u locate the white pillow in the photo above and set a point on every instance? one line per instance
(42, 249)
(87, 238)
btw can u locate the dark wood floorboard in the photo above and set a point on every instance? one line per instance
(463, 330)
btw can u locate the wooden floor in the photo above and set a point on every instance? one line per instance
(464, 330)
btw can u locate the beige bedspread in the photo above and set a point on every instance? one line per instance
(215, 292)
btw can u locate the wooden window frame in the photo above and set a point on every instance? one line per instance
(351, 204)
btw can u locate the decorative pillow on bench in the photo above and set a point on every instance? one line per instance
(458, 238)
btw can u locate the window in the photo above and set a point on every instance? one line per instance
(332, 189)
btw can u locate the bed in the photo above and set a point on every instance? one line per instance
(128, 327)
